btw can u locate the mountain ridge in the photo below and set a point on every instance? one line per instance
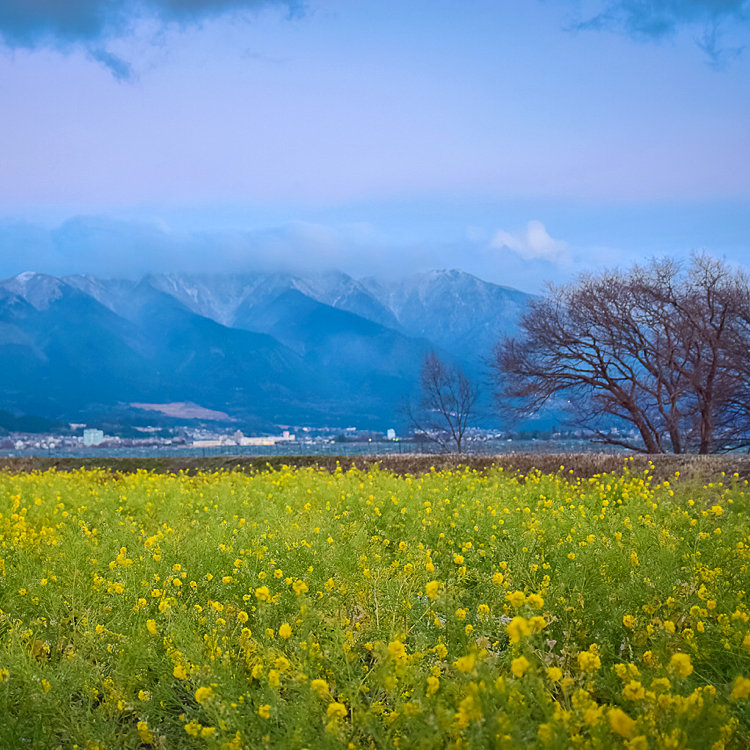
(280, 347)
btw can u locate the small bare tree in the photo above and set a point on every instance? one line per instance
(446, 405)
(660, 348)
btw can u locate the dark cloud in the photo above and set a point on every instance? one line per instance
(121, 69)
(90, 23)
(656, 19)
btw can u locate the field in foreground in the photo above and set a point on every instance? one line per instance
(306, 608)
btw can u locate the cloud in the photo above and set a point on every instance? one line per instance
(719, 55)
(111, 247)
(115, 248)
(64, 24)
(657, 19)
(121, 69)
(126, 248)
(534, 243)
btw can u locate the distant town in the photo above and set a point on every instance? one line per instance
(189, 440)
(95, 439)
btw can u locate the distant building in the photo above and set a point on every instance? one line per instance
(268, 440)
(391, 434)
(239, 439)
(92, 436)
(207, 443)
(258, 441)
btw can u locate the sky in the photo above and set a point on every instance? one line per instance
(523, 141)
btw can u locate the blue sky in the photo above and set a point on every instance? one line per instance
(521, 140)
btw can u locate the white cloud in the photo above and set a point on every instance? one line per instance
(534, 243)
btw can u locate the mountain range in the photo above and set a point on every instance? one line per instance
(265, 348)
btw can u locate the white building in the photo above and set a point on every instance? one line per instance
(285, 437)
(92, 436)
(239, 439)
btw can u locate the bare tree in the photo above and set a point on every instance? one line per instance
(659, 348)
(716, 309)
(446, 406)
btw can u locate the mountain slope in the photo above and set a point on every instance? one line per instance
(369, 364)
(71, 352)
(321, 348)
(64, 347)
(222, 297)
(457, 311)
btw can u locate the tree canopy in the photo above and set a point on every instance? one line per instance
(661, 349)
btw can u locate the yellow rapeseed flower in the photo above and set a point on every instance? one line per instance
(466, 663)
(319, 687)
(432, 589)
(544, 732)
(336, 710)
(520, 666)
(554, 673)
(469, 710)
(204, 694)
(633, 691)
(620, 723)
(589, 661)
(518, 628)
(516, 598)
(433, 683)
(145, 733)
(535, 600)
(680, 664)
(740, 689)
(397, 651)
(538, 623)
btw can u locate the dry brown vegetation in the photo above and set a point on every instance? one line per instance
(580, 464)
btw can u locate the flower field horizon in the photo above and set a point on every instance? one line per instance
(301, 608)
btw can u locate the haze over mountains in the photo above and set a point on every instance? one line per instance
(264, 348)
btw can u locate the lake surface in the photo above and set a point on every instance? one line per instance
(484, 447)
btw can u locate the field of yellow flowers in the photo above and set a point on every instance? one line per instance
(301, 608)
